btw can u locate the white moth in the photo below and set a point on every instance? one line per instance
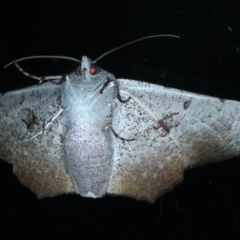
(92, 134)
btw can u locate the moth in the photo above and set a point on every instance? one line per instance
(92, 134)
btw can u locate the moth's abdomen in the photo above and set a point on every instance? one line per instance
(88, 157)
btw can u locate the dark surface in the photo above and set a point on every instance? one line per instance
(205, 60)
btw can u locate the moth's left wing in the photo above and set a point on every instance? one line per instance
(31, 138)
(164, 131)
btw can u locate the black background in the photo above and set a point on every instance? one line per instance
(205, 60)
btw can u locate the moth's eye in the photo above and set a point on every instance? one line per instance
(79, 71)
(94, 70)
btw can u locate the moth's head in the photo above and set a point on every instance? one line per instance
(88, 69)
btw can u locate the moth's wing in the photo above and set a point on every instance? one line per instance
(31, 138)
(172, 130)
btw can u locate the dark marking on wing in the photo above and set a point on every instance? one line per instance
(29, 118)
(166, 122)
(22, 100)
(186, 104)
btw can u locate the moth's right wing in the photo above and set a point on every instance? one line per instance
(167, 131)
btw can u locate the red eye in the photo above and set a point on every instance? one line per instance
(94, 70)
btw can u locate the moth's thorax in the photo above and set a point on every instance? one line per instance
(87, 106)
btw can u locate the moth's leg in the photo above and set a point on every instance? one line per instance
(40, 79)
(113, 131)
(105, 84)
(110, 79)
(117, 136)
